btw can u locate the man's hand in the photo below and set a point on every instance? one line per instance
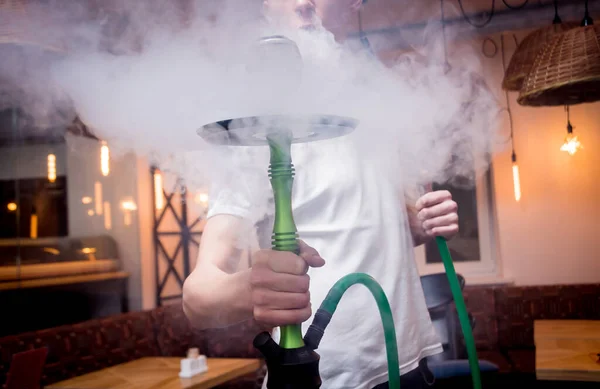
(436, 216)
(280, 285)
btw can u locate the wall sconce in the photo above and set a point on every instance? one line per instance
(51, 167)
(128, 207)
(159, 200)
(104, 159)
(201, 199)
(12, 206)
(98, 197)
(33, 225)
(107, 216)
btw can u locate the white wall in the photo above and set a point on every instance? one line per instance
(550, 236)
(30, 161)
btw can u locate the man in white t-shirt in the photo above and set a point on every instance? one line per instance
(346, 212)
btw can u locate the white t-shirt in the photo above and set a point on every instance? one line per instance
(346, 209)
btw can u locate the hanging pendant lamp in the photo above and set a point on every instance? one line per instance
(567, 69)
(522, 60)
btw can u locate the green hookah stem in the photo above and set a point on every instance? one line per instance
(391, 346)
(461, 308)
(285, 233)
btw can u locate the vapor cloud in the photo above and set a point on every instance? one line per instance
(148, 80)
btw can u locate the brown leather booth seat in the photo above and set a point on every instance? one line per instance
(503, 332)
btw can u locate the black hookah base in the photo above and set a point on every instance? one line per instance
(296, 368)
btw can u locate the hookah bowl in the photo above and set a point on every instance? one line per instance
(292, 364)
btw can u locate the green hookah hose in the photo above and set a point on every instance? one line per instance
(461, 308)
(391, 346)
(335, 294)
(285, 238)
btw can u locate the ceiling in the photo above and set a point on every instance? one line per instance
(389, 23)
(392, 24)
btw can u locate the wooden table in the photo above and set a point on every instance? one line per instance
(566, 350)
(160, 373)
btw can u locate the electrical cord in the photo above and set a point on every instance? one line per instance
(508, 110)
(494, 46)
(485, 23)
(587, 20)
(515, 7)
(491, 13)
(489, 49)
(557, 19)
(364, 40)
(446, 63)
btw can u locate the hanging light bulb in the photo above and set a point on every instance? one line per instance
(572, 143)
(104, 159)
(51, 167)
(515, 167)
(516, 178)
(159, 201)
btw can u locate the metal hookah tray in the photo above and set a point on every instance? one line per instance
(255, 130)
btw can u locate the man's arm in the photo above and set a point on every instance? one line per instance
(416, 227)
(222, 290)
(217, 292)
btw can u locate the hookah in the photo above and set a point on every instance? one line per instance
(294, 363)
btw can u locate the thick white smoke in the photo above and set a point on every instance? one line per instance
(151, 81)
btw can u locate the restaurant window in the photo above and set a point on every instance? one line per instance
(473, 250)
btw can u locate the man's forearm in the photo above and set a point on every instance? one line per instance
(416, 228)
(419, 237)
(220, 302)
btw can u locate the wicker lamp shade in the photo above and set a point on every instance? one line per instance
(523, 58)
(566, 71)
(17, 27)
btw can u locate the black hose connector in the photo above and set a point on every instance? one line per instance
(295, 368)
(315, 332)
(267, 346)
